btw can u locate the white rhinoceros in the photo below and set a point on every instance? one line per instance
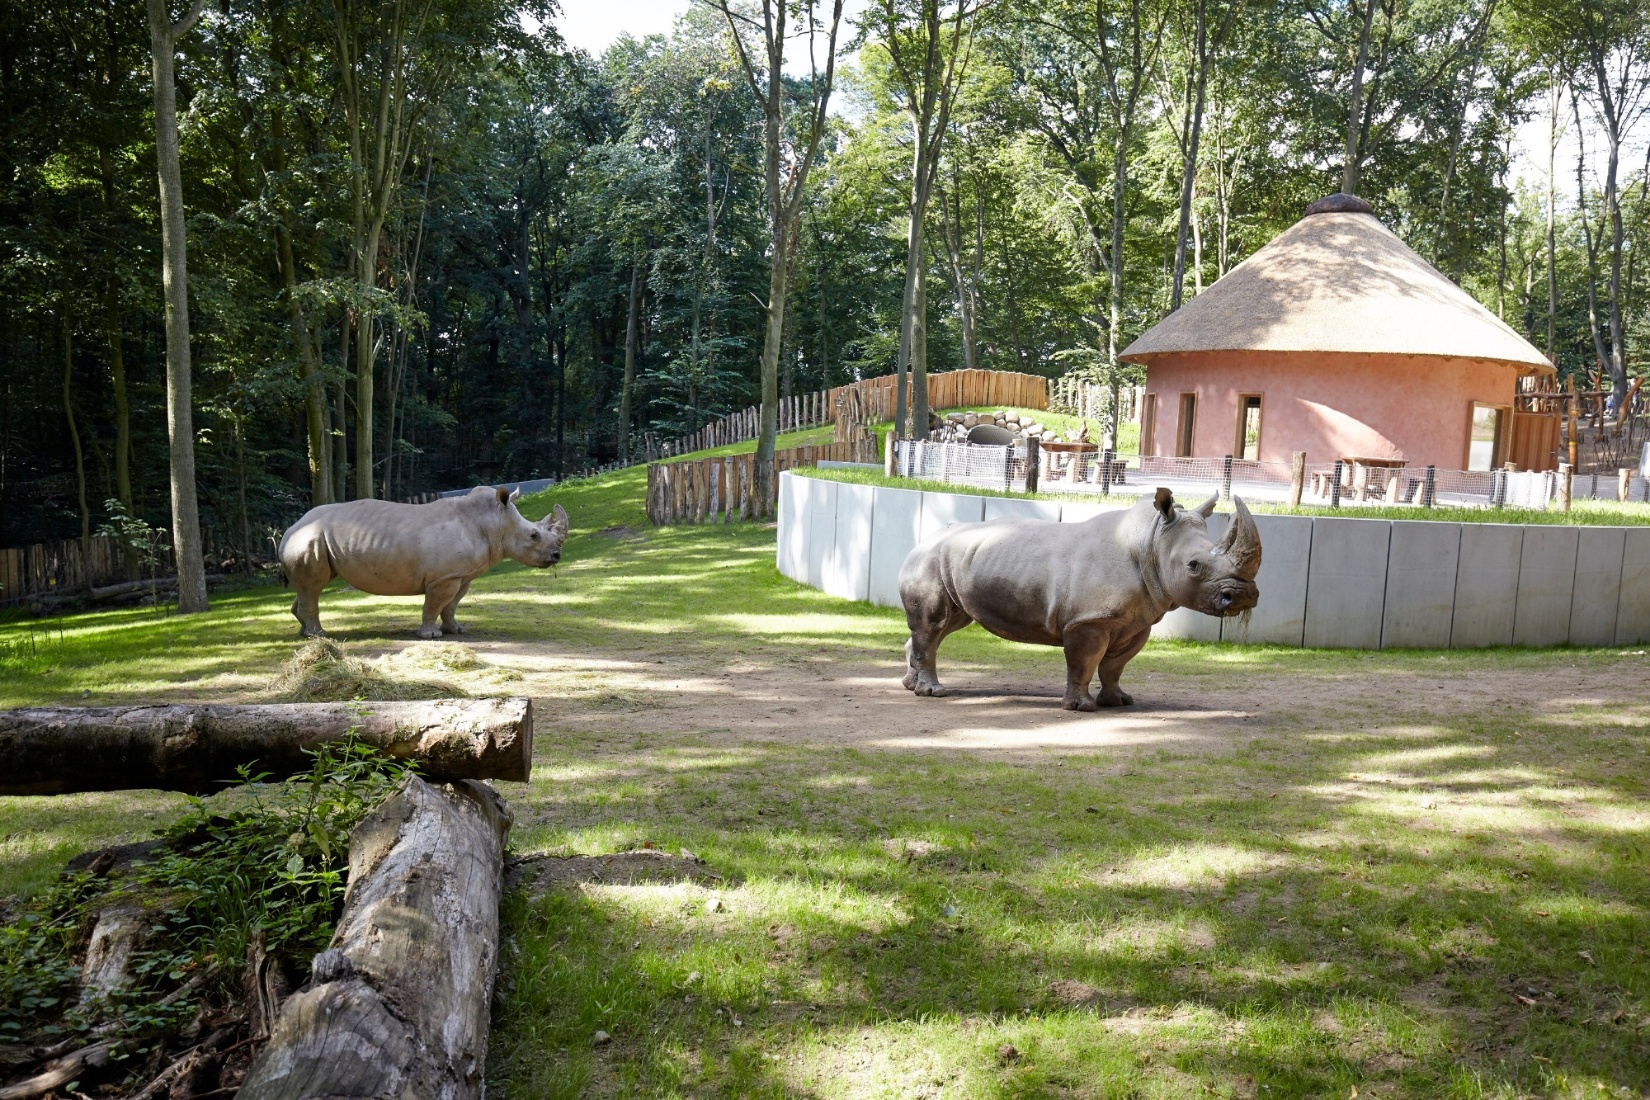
(1094, 588)
(432, 550)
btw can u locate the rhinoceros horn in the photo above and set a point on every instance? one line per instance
(1241, 542)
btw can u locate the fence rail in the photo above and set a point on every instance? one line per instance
(723, 489)
(1335, 484)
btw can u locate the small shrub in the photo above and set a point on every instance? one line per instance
(272, 867)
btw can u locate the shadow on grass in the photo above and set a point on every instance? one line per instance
(1461, 916)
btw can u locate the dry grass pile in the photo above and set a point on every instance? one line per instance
(321, 672)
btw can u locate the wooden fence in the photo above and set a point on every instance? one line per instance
(723, 489)
(57, 567)
(872, 401)
(956, 390)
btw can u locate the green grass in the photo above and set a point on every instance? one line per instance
(1353, 889)
(1582, 513)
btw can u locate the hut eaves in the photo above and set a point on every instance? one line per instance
(1338, 281)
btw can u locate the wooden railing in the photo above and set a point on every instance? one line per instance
(723, 489)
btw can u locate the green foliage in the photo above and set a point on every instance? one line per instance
(272, 866)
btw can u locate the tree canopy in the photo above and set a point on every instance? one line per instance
(430, 244)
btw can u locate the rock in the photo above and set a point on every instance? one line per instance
(600, 1038)
(689, 856)
(969, 420)
(956, 418)
(1012, 417)
(1006, 1054)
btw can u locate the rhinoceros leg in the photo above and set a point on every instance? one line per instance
(1111, 669)
(437, 596)
(449, 624)
(930, 621)
(308, 574)
(1085, 644)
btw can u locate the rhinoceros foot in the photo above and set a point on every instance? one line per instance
(316, 633)
(1081, 701)
(924, 685)
(429, 633)
(1115, 697)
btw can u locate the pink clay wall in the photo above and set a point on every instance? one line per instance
(1330, 404)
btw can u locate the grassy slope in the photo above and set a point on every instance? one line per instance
(1322, 909)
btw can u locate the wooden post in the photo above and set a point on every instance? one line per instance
(1226, 479)
(1429, 490)
(1624, 481)
(1392, 489)
(1335, 485)
(1034, 460)
(1563, 488)
(1297, 478)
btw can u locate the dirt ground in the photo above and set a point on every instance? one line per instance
(1014, 711)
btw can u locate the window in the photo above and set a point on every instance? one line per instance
(1188, 422)
(1486, 449)
(1246, 445)
(1148, 424)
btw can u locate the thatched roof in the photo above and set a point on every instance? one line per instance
(1338, 281)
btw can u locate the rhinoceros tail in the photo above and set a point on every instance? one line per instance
(280, 571)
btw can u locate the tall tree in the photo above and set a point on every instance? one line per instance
(928, 45)
(164, 36)
(789, 149)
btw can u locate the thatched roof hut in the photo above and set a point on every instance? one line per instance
(1337, 339)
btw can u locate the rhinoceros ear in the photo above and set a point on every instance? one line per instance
(503, 495)
(1164, 502)
(1207, 508)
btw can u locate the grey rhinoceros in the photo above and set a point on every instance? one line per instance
(1094, 588)
(432, 550)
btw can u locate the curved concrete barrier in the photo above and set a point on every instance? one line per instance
(1330, 581)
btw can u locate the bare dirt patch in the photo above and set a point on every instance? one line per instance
(1014, 711)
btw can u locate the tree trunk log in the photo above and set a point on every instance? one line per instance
(197, 748)
(399, 1005)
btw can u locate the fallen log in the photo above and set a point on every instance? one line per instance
(197, 748)
(399, 1005)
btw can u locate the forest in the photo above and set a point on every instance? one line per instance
(429, 245)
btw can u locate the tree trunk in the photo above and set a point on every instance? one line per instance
(338, 440)
(1355, 108)
(365, 354)
(79, 456)
(1188, 174)
(630, 340)
(1591, 247)
(1120, 179)
(309, 371)
(400, 1004)
(1612, 209)
(197, 747)
(1552, 194)
(180, 427)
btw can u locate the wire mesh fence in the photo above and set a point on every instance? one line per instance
(1087, 469)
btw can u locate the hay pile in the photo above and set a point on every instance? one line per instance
(321, 672)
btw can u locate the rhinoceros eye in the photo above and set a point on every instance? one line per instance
(1195, 566)
(534, 535)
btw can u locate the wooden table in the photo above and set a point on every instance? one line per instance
(1072, 467)
(1360, 486)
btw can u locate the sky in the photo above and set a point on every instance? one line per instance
(593, 25)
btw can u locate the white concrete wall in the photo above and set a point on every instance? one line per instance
(1325, 581)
